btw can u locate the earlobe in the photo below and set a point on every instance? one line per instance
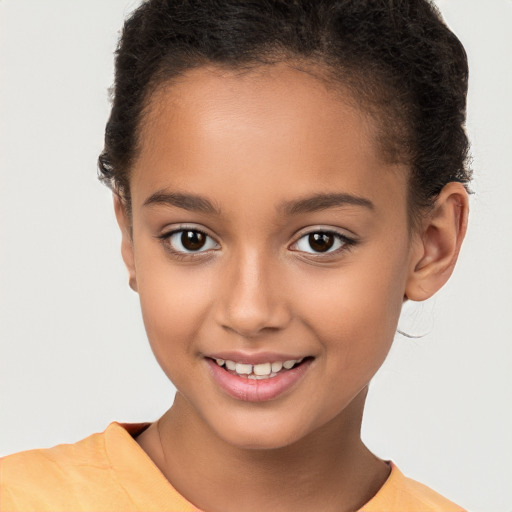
(124, 223)
(437, 245)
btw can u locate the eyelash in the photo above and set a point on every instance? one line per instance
(347, 243)
(181, 255)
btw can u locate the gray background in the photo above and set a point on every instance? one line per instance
(74, 355)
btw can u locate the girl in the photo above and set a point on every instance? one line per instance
(286, 174)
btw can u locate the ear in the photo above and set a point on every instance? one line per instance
(123, 219)
(436, 246)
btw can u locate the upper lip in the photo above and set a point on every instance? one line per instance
(254, 358)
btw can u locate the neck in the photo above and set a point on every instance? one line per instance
(330, 466)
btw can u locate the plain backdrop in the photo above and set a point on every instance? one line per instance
(74, 355)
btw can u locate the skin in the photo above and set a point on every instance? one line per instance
(248, 143)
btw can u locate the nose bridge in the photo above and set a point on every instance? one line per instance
(252, 299)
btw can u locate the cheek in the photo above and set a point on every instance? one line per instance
(174, 302)
(355, 311)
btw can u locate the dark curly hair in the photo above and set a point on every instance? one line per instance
(397, 58)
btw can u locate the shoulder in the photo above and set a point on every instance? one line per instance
(402, 494)
(61, 477)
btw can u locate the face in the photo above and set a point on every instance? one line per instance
(266, 229)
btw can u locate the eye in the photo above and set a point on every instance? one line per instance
(188, 241)
(321, 242)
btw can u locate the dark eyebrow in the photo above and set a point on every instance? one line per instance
(197, 203)
(322, 202)
(191, 202)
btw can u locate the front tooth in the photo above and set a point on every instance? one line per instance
(220, 362)
(277, 366)
(262, 369)
(231, 365)
(243, 369)
(289, 364)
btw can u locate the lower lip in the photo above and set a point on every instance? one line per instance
(253, 390)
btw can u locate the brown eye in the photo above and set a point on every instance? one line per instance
(321, 242)
(326, 242)
(189, 241)
(192, 240)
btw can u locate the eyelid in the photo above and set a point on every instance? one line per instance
(183, 226)
(169, 232)
(322, 228)
(348, 241)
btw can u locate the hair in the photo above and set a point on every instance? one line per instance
(396, 57)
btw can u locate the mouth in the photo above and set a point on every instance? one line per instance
(260, 381)
(260, 371)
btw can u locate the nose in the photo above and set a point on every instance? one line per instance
(252, 300)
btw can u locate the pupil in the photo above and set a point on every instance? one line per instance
(192, 240)
(321, 241)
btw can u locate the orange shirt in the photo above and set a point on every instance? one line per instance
(109, 472)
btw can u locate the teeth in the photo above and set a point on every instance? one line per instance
(258, 371)
(261, 377)
(243, 369)
(277, 366)
(262, 369)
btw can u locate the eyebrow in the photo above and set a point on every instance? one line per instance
(316, 202)
(319, 202)
(191, 202)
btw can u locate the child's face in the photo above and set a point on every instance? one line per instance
(257, 286)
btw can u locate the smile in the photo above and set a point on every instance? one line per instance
(258, 371)
(260, 381)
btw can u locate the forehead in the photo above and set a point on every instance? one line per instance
(277, 125)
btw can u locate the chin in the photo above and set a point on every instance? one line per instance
(260, 435)
(260, 441)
